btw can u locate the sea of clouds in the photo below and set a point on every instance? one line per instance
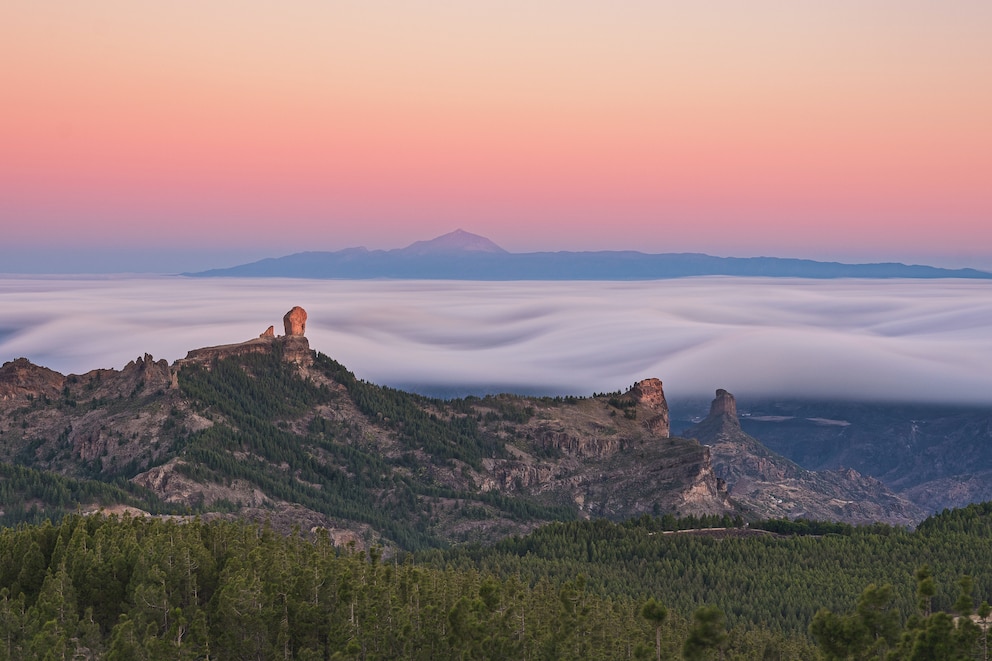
(919, 340)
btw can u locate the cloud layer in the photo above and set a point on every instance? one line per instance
(896, 340)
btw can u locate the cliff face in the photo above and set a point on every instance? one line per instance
(724, 405)
(611, 457)
(293, 346)
(772, 486)
(650, 395)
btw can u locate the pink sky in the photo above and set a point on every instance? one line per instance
(841, 130)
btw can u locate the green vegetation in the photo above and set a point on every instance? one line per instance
(754, 578)
(445, 436)
(873, 630)
(31, 496)
(267, 434)
(143, 589)
(653, 587)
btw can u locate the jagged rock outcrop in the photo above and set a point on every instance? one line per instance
(580, 445)
(294, 345)
(296, 349)
(650, 395)
(724, 405)
(774, 487)
(613, 457)
(295, 322)
(145, 375)
(22, 379)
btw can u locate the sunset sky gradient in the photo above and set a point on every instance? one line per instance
(852, 130)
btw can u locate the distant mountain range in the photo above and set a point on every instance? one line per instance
(461, 255)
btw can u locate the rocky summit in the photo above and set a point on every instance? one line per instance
(293, 346)
(269, 430)
(295, 322)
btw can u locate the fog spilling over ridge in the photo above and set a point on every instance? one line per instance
(849, 339)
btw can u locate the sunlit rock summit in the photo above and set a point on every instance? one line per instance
(293, 346)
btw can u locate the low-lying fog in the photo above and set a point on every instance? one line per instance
(905, 339)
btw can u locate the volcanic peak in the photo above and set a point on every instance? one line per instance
(453, 242)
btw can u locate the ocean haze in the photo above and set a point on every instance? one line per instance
(907, 340)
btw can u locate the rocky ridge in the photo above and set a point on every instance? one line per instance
(772, 486)
(603, 456)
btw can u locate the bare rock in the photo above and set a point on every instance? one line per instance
(269, 332)
(771, 486)
(649, 392)
(146, 376)
(22, 379)
(724, 405)
(650, 395)
(295, 321)
(580, 445)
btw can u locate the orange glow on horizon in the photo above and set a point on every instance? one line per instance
(853, 123)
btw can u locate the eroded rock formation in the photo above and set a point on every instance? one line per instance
(295, 347)
(295, 321)
(650, 395)
(724, 405)
(772, 486)
(22, 379)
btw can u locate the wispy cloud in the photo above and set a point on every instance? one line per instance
(907, 340)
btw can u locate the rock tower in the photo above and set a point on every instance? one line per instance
(295, 321)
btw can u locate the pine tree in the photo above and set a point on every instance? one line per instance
(706, 633)
(655, 613)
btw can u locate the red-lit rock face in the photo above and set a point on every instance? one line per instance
(295, 321)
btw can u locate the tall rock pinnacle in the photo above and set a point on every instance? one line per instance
(724, 406)
(295, 321)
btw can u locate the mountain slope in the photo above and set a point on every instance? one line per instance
(269, 430)
(937, 456)
(772, 486)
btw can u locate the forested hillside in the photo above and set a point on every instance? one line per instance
(305, 513)
(31, 496)
(271, 438)
(755, 576)
(143, 588)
